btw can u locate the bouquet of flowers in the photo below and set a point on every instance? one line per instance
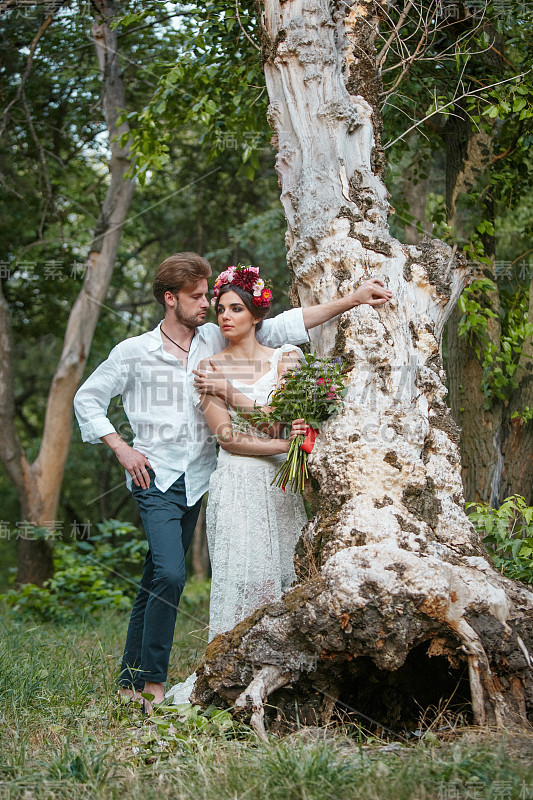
(313, 391)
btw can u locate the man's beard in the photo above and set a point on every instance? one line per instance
(191, 322)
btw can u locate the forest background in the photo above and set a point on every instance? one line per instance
(194, 146)
(190, 165)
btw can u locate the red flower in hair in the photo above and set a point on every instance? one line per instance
(264, 299)
(246, 278)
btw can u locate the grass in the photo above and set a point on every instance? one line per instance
(63, 734)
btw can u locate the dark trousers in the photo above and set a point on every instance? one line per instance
(169, 525)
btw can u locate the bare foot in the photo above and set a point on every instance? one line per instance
(158, 691)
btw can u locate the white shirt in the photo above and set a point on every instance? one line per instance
(157, 395)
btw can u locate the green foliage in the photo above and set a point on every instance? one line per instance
(213, 85)
(53, 160)
(507, 532)
(197, 201)
(515, 332)
(478, 70)
(511, 98)
(473, 324)
(183, 727)
(89, 575)
(312, 390)
(499, 361)
(526, 415)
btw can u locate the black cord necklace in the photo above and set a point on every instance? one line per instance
(173, 342)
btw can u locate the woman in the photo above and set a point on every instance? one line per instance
(252, 526)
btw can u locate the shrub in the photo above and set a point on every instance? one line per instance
(89, 575)
(507, 533)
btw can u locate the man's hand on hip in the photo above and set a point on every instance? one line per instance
(132, 461)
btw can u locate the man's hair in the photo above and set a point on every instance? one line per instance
(177, 272)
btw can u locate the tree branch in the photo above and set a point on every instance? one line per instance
(381, 57)
(42, 159)
(471, 93)
(243, 28)
(103, 250)
(27, 69)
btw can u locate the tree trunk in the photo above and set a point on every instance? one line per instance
(480, 427)
(495, 448)
(415, 190)
(395, 589)
(517, 445)
(39, 483)
(468, 155)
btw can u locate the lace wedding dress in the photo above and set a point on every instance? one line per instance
(252, 530)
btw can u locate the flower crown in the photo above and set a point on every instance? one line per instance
(246, 278)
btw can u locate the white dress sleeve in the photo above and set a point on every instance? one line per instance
(281, 351)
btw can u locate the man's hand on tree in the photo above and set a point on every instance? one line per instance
(372, 292)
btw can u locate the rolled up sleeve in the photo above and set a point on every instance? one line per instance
(93, 397)
(286, 328)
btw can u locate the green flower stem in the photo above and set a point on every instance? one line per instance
(293, 471)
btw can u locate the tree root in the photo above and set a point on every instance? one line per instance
(374, 604)
(267, 680)
(525, 651)
(483, 685)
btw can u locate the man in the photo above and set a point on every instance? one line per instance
(173, 454)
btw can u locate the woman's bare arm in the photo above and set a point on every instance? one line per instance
(219, 421)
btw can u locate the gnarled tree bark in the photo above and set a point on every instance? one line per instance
(39, 483)
(391, 571)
